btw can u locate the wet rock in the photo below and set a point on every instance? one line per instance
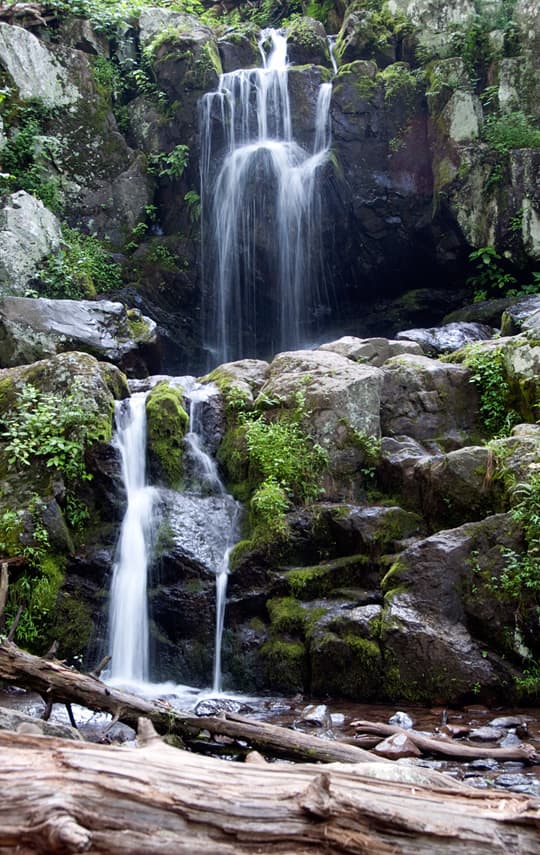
(518, 783)
(215, 706)
(307, 42)
(447, 338)
(401, 719)
(487, 763)
(509, 721)
(239, 49)
(510, 740)
(11, 719)
(486, 734)
(373, 351)
(396, 746)
(29, 232)
(315, 716)
(33, 329)
(337, 719)
(244, 377)
(515, 317)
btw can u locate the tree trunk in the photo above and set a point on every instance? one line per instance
(59, 684)
(60, 796)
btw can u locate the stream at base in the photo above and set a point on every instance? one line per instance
(335, 718)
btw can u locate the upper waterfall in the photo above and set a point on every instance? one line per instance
(261, 211)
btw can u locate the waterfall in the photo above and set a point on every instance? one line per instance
(205, 478)
(128, 619)
(261, 211)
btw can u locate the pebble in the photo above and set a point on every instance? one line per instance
(484, 763)
(510, 740)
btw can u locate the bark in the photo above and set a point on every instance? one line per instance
(59, 796)
(447, 747)
(58, 684)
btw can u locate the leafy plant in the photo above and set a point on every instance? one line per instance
(171, 165)
(81, 269)
(488, 374)
(490, 274)
(509, 131)
(521, 576)
(193, 202)
(51, 429)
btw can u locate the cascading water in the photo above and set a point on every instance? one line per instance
(205, 479)
(207, 527)
(261, 211)
(128, 621)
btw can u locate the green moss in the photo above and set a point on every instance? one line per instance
(348, 666)
(233, 457)
(8, 395)
(72, 625)
(167, 423)
(286, 616)
(138, 326)
(308, 583)
(286, 665)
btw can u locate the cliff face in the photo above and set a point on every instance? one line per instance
(406, 565)
(434, 150)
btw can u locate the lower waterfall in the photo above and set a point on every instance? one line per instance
(204, 498)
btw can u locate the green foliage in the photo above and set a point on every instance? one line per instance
(26, 158)
(36, 587)
(487, 372)
(80, 270)
(193, 202)
(471, 42)
(268, 506)
(400, 83)
(520, 579)
(51, 429)
(510, 131)
(171, 165)
(490, 275)
(280, 451)
(112, 16)
(528, 685)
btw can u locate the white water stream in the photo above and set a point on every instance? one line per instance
(206, 497)
(128, 622)
(261, 209)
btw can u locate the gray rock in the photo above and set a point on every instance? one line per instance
(486, 734)
(447, 338)
(11, 719)
(373, 351)
(315, 716)
(484, 763)
(342, 399)
(29, 232)
(427, 399)
(32, 329)
(396, 746)
(401, 719)
(307, 42)
(247, 376)
(508, 721)
(516, 316)
(34, 69)
(511, 740)
(214, 706)
(154, 19)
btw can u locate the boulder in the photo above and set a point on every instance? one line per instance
(238, 48)
(373, 351)
(166, 425)
(29, 232)
(396, 746)
(33, 329)
(11, 719)
(447, 338)
(307, 43)
(244, 378)
(520, 316)
(426, 399)
(342, 404)
(35, 70)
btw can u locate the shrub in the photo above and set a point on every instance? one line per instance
(80, 270)
(487, 372)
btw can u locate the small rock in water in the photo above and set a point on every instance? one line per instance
(213, 706)
(315, 716)
(401, 719)
(337, 719)
(484, 763)
(486, 734)
(511, 740)
(508, 721)
(480, 783)
(396, 746)
(513, 782)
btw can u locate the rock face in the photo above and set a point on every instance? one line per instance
(34, 69)
(33, 329)
(28, 234)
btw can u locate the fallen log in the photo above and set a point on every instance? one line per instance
(60, 796)
(450, 748)
(59, 684)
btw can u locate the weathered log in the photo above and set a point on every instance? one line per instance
(59, 796)
(63, 685)
(450, 748)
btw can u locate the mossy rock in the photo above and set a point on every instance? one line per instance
(307, 583)
(286, 665)
(348, 667)
(167, 423)
(72, 625)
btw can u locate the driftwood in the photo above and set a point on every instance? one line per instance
(60, 796)
(450, 748)
(58, 684)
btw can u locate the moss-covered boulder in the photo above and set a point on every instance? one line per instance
(307, 42)
(167, 424)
